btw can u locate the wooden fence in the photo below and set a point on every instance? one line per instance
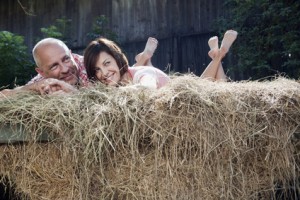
(181, 26)
(186, 53)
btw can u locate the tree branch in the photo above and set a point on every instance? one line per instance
(25, 10)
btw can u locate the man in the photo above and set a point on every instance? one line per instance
(58, 69)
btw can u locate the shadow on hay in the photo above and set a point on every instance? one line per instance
(291, 191)
(7, 190)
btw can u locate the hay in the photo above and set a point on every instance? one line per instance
(191, 139)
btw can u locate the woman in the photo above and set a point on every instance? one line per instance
(105, 62)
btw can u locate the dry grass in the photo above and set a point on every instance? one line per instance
(189, 140)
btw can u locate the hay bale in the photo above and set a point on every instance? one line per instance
(191, 139)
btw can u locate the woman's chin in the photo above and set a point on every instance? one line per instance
(111, 83)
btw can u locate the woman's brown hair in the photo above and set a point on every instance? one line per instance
(93, 50)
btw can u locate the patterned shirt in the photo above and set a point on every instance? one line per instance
(83, 80)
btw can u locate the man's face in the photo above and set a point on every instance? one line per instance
(55, 61)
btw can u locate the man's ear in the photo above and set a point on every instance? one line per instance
(40, 71)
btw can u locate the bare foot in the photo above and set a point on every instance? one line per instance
(144, 57)
(229, 38)
(214, 47)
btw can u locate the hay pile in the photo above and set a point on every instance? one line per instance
(189, 140)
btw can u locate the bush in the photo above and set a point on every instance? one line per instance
(16, 67)
(269, 37)
(60, 30)
(101, 29)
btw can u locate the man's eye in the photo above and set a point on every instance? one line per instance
(66, 59)
(53, 67)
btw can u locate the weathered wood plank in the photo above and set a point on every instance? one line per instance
(182, 27)
(12, 134)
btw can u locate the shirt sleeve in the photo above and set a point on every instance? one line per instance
(35, 79)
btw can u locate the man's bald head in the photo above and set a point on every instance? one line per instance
(44, 43)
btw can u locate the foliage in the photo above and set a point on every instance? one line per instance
(101, 29)
(16, 67)
(60, 30)
(269, 36)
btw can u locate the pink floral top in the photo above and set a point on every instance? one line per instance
(139, 72)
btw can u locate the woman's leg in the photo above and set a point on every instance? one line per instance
(214, 70)
(229, 38)
(221, 76)
(211, 70)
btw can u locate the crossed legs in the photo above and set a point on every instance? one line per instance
(144, 58)
(214, 71)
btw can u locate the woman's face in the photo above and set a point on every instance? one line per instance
(107, 70)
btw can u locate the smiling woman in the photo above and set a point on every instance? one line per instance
(107, 70)
(105, 62)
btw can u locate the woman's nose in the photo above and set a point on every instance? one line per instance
(104, 72)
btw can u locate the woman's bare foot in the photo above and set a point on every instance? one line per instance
(214, 47)
(144, 57)
(229, 38)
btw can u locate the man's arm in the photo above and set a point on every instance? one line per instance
(45, 86)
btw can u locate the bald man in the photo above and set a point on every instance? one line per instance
(58, 69)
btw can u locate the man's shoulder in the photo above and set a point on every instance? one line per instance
(35, 79)
(77, 56)
(81, 68)
(79, 60)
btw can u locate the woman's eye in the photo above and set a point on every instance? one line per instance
(97, 70)
(106, 63)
